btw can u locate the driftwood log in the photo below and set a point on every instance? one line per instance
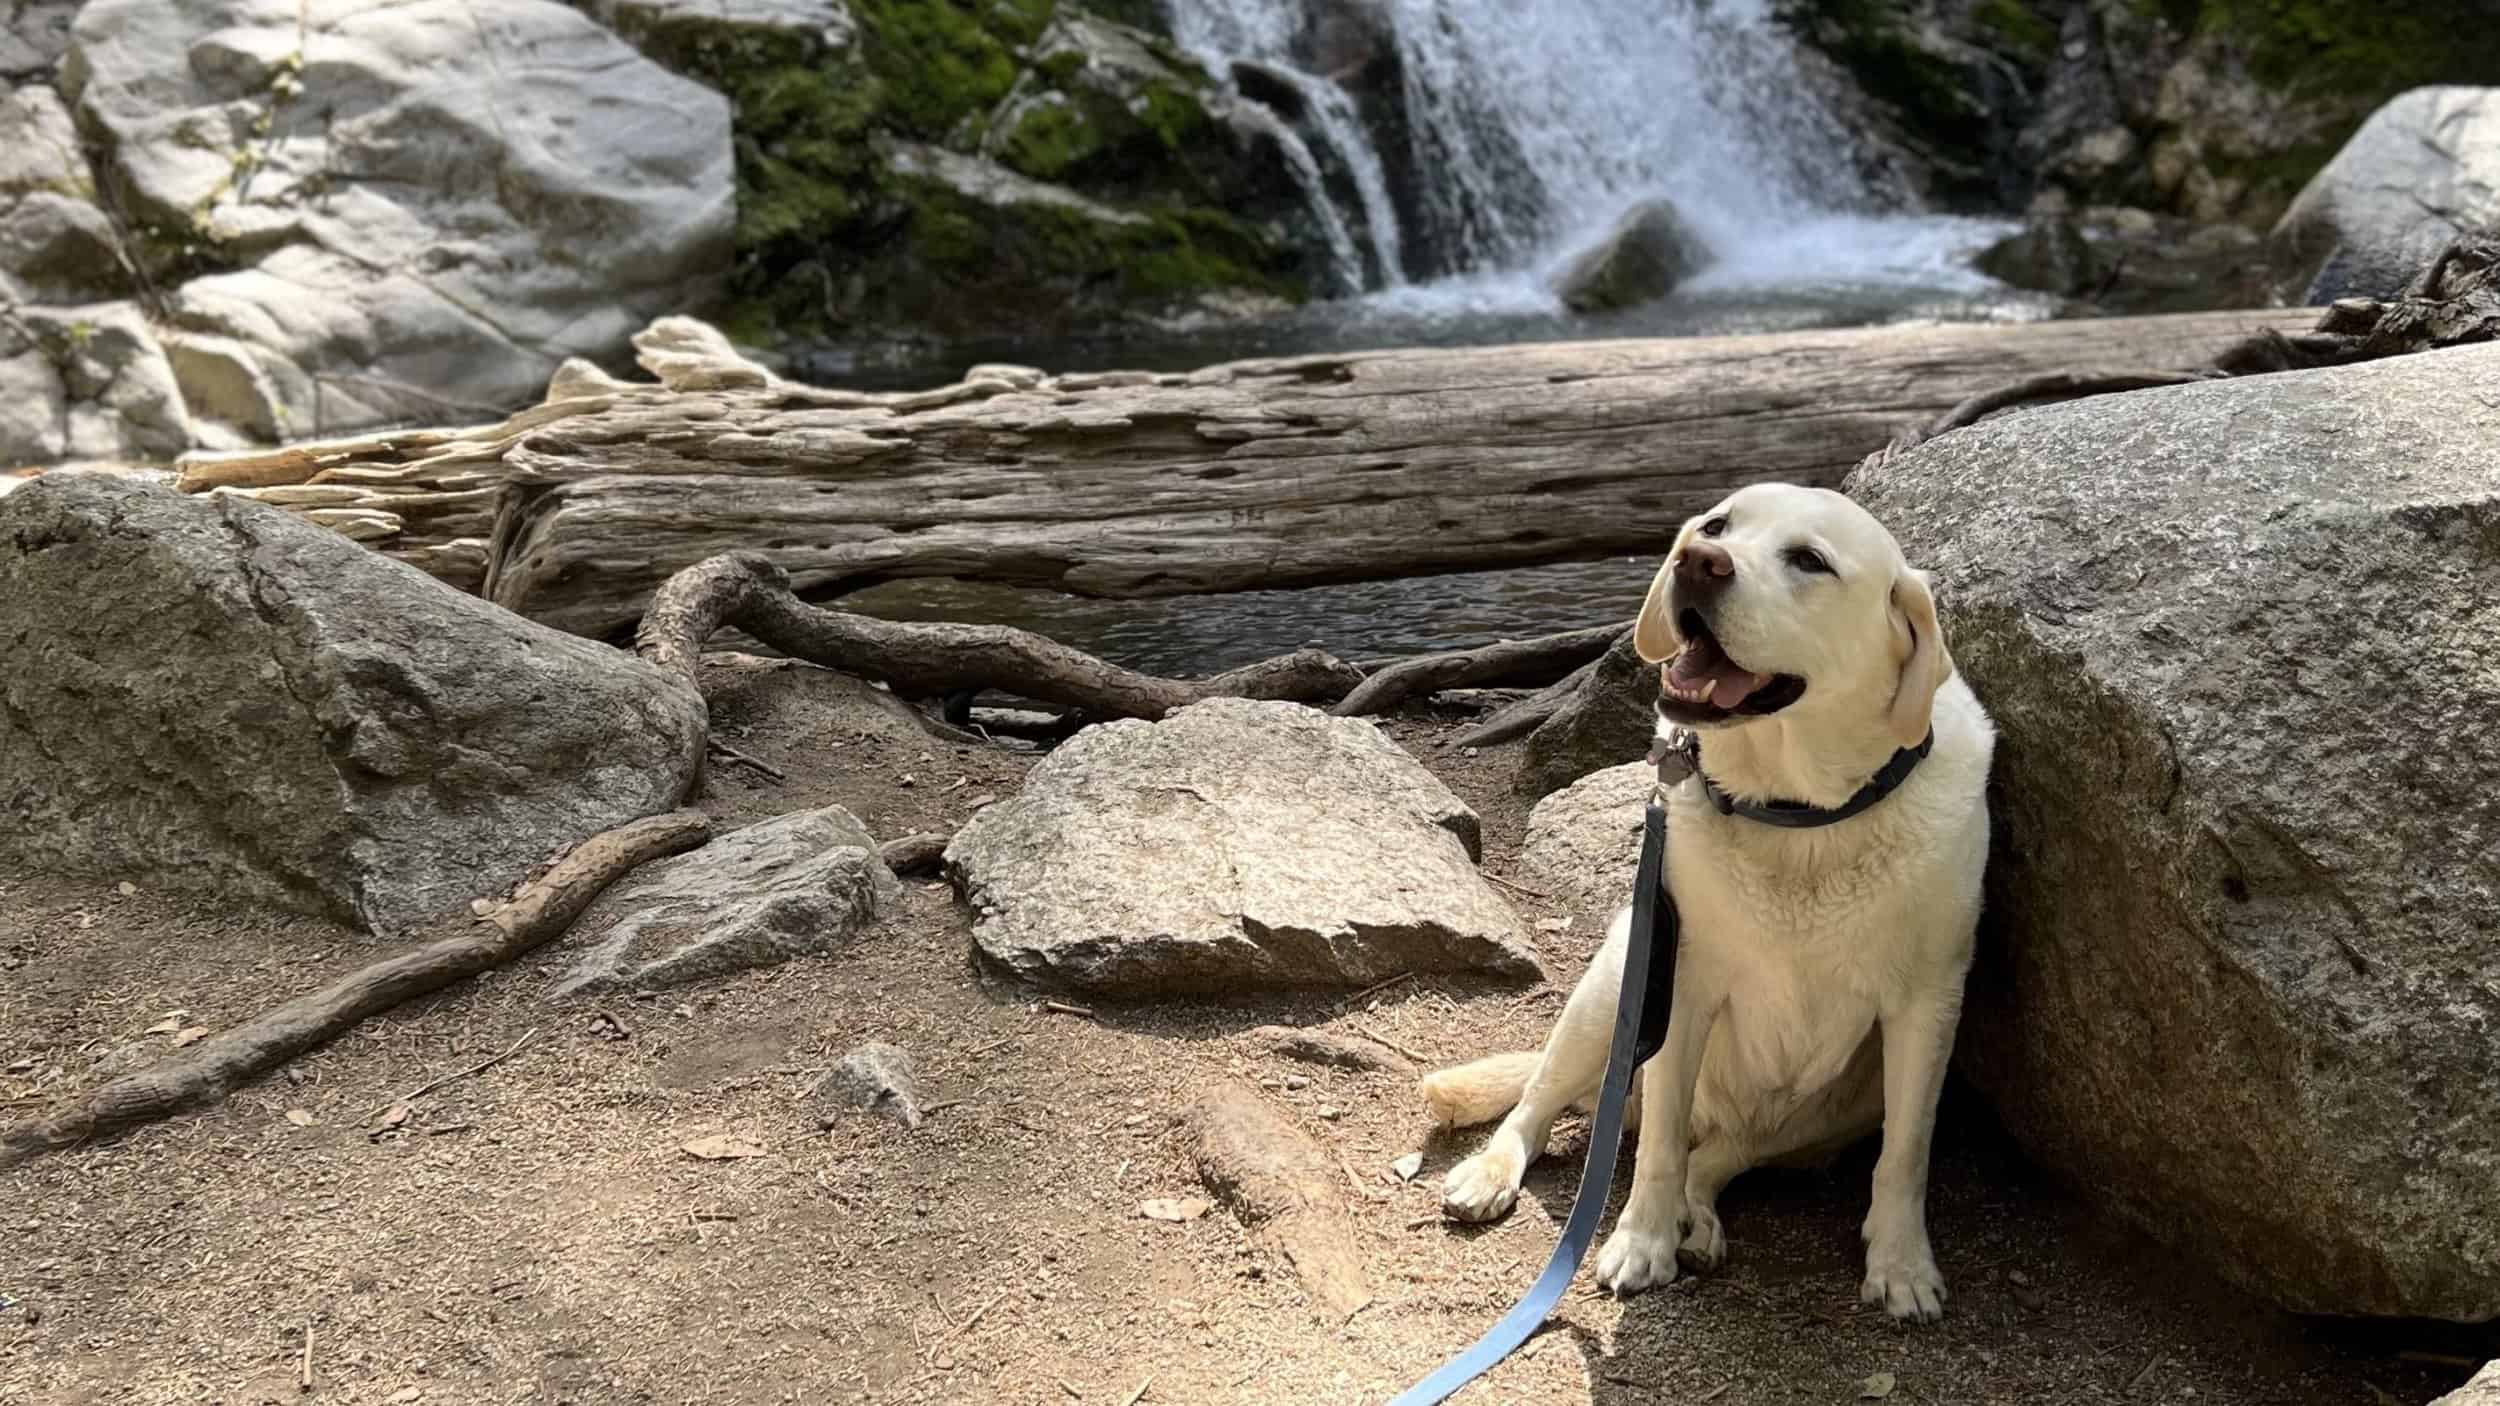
(206, 1072)
(1127, 484)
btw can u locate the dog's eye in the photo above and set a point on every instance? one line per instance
(1714, 526)
(1809, 560)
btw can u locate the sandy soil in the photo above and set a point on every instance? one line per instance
(534, 1232)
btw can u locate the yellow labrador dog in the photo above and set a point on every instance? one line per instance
(1820, 977)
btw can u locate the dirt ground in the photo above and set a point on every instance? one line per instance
(534, 1232)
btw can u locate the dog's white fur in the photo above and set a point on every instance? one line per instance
(1820, 978)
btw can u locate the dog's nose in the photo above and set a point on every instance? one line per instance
(1704, 566)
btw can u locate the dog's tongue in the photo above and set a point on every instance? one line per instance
(1701, 663)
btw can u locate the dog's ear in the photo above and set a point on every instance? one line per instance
(1927, 665)
(1653, 634)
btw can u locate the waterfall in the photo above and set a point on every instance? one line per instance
(1479, 139)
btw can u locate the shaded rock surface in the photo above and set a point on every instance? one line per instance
(1606, 722)
(83, 383)
(410, 211)
(1642, 258)
(2423, 169)
(797, 885)
(2484, 1390)
(1233, 845)
(55, 244)
(220, 696)
(2235, 979)
(1584, 841)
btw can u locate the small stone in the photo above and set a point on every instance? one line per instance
(126, 888)
(1331, 1112)
(1408, 1167)
(1553, 925)
(1296, 1081)
(876, 1077)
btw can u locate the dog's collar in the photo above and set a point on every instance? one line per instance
(1678, 755)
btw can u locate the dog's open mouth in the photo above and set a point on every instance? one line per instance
(1702, 684)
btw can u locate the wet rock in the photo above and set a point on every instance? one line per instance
(1233, 846)
(2048, 255)
(802, 884)
(2234, 981)
(1646, 255)
(216, 695)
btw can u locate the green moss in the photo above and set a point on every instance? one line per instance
(1049, 137)
(2367, 50)
(945, 60)
(2018, 27)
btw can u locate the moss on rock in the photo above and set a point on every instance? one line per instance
(834, 236)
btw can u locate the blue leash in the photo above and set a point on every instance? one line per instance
(1640, 1028)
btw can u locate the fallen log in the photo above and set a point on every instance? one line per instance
(1278, 1184)
(1298, 471)
(206, 1072)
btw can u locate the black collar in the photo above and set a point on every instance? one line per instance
(1795, 815)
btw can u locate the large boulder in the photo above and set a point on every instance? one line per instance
(2236, 980)
(1234, 845)
(217, 695)
(2424, 167)
(414, 210)
(1647, 253)
(796, 885)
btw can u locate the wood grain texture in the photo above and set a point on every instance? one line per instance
(1296, 471)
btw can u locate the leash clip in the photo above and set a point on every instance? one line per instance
(1676, 754)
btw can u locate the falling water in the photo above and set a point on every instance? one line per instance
(1523, 130)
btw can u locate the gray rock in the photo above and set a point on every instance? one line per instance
(86, 383)
(1648, 252)
(55, 245)
(2236, 983)
(2050, 255)
(447, 202)
(33, 36)
(1234, 845)
(796, 885)
(216, 695)
(1584, 841)
(1606, 722)
(2424, 168)
(985, 182)
(875, 1077)
(2484, 1390)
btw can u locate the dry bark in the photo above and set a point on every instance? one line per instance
(1255, 474)
(747, 590)
(1278, 1183)
(206, 1072)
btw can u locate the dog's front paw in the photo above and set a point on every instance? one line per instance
(1485, 1186)
(1905, 1282)
(1705, 1245)
(1636, 1258)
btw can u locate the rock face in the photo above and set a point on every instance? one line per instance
(2236, 979)
(55, 245)
(404, 211)
(1606, 722)
(219, 696)
(1233, 845)
(1644, 257)
(1584, 841)
(86, 382)
(2424, 167)
(796, 885)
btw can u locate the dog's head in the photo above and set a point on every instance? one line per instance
(1786, 599)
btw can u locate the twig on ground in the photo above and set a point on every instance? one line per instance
(478, 1068)
(1517, 887)
(1374, 989)
(1140, 1394)
(756, 764)
(1063, 1008)
(206, 1072)
(1379, 1039)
